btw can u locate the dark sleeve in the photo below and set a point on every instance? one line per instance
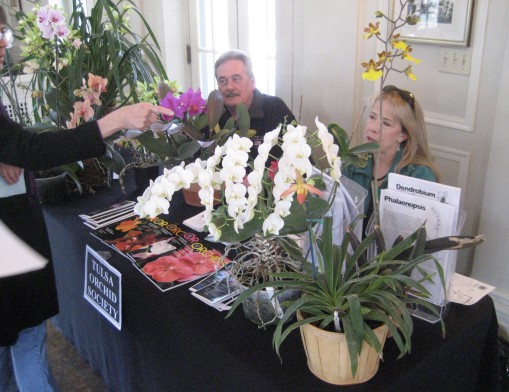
(276, 112)
(43, 150)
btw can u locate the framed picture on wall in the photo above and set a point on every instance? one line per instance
(442, 22)
(13, 5)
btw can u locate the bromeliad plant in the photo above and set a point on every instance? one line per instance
(345, 292)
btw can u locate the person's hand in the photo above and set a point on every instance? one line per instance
(10, 173)
(137, 116)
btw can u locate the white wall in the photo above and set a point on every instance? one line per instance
(491, 260)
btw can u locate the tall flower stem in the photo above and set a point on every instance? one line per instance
(57, 87)
(386, 66)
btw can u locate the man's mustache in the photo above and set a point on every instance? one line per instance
(231, 94)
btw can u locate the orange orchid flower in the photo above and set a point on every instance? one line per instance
(301, 188)
(128, 225)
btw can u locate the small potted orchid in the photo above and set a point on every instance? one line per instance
(197, 120)
(193, 131)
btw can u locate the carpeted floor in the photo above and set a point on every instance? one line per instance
(71, 372)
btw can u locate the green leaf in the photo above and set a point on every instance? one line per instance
(201, 123)
(356, 318)
(188, 150)
(296, 222)
(113, 160)
(215, 108)
(351, 342)
(363, 148)
(243, 119)
(158, 146)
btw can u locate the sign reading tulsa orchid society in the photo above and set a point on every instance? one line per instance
(103, 287)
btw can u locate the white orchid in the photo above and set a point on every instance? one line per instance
(180, 177)
(163, 187)
(282, 208)
(154, 206)
(248, 192)
(196, 168)
(214, 231)
(272, 225)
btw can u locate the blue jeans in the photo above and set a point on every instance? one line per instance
(28, 360)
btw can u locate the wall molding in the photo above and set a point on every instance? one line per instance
(467, 122)
(462, 157)
(447, 121)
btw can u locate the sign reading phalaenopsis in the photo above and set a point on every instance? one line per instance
(103, 287)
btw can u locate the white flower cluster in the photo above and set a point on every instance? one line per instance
(243, 195)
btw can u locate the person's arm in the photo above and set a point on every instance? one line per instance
(44, 150)
(139, 116)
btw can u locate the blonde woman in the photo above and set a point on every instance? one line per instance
(403, 146)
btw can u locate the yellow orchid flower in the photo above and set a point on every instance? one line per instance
(301, 188)
(408, 57)
(409, 73)
(372, 72)
(401, 45)
(372, 29)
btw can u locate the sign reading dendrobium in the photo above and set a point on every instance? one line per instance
(256, 198)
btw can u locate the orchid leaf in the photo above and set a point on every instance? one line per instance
(157, 146)
(243, 119)
(215, 107)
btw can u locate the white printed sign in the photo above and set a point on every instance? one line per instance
(103, 287)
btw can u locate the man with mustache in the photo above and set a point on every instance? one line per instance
(236, 83)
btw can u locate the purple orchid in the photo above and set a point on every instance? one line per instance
(189, 104)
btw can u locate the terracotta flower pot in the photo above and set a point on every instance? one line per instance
(191, 196)
(329, 359)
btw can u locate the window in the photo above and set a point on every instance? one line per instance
(221, 25)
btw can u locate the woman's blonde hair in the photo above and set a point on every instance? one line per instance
(409, 113)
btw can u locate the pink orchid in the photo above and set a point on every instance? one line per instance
(84, 110)
(97, 83)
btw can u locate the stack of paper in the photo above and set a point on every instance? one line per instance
(106, 216)
(410, 202)
(218, 290)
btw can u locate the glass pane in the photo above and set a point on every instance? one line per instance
(207, 79)
(221, 39)
(204, 24)
(261, 41)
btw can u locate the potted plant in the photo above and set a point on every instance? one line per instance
(349, 303)
(60, 55)
(259, 208)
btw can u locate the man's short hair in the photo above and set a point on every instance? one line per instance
(3, 17)
(236, 55)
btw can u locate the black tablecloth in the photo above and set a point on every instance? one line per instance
(172, 342)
